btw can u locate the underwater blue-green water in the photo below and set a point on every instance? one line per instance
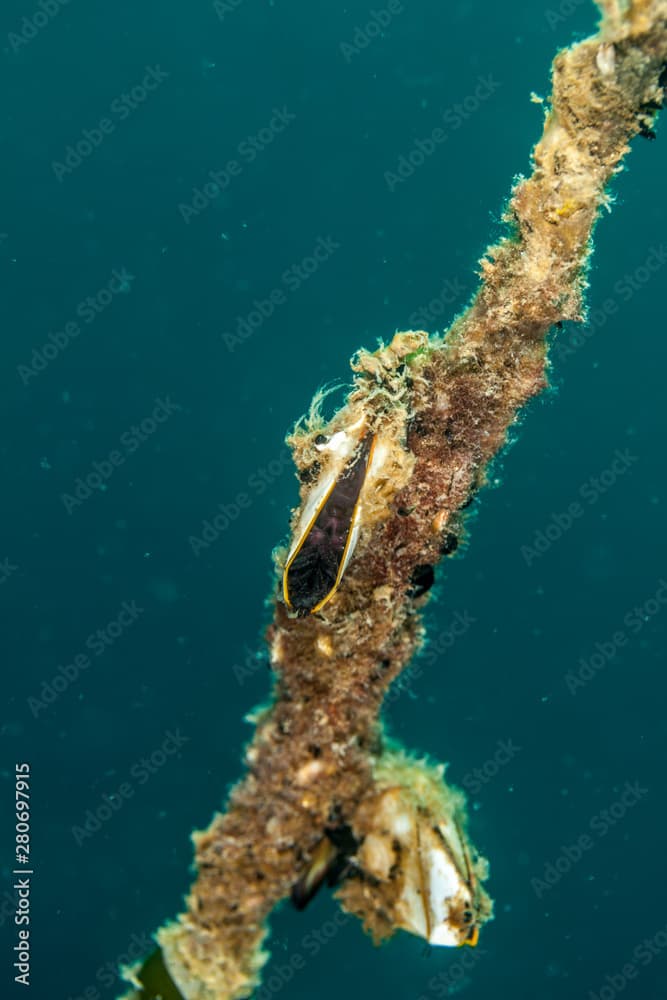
(200, 222)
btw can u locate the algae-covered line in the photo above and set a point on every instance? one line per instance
(384, 488)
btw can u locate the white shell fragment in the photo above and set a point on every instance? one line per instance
(605, 59)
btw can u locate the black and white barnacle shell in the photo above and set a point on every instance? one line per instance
(361, 465)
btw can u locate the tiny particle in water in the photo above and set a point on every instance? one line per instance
(164, 590)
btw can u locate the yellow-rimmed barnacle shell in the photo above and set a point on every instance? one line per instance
(328, 528)
(360, 462)
(418, 868)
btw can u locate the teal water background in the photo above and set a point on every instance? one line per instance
(190, 662)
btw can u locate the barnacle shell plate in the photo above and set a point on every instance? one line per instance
(436, 897)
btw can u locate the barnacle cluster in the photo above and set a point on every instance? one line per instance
(385, 485)
(419, 872)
